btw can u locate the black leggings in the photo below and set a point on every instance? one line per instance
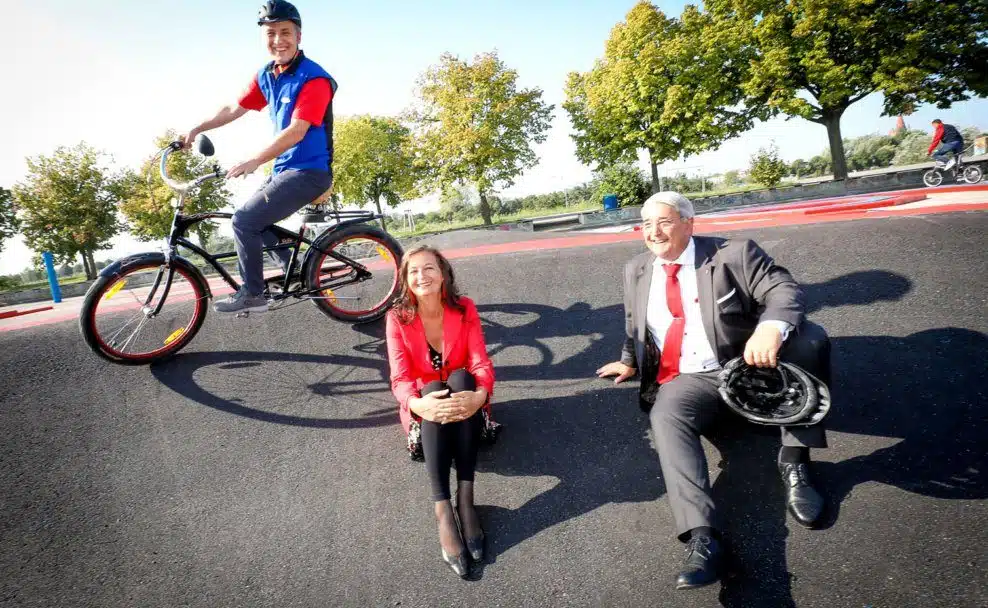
(444, 443)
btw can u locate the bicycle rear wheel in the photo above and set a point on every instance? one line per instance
(118, 321)
(933, 178)
(348, 293)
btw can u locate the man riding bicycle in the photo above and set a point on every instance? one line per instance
(947, 140)
(299, 96)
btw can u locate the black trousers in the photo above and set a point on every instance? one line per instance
(688, 404)
(443, 444)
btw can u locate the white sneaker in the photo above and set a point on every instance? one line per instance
(241, 301)
(950, 163)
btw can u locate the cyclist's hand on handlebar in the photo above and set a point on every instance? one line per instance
(187, 139)
(244, 168)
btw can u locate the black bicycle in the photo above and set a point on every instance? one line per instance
(148, 306)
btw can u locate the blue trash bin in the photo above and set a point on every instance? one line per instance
(610, 202)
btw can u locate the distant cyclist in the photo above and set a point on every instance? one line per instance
(299, 96)
(947, 140)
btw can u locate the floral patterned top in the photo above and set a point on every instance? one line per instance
(436, 357)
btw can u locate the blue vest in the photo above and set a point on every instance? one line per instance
(315, 151)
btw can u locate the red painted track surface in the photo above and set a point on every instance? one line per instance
(842, 209)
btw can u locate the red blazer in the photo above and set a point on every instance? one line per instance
(408, 355)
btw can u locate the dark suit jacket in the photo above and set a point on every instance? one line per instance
(739, 285)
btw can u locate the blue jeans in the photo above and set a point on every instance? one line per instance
(280, 196)
(943, 151)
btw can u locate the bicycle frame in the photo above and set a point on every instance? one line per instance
(286, 239)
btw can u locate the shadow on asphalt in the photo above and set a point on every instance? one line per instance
(220, 379)
(923, 389)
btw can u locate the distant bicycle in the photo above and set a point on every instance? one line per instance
(970, 174)
(148, 306)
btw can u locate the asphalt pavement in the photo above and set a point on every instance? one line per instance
(264, 465)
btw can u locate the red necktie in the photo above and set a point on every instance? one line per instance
(673, 345)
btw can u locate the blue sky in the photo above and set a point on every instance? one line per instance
(116, 74)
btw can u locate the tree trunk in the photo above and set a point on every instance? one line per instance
(87, 265)
(656, 184)
(92, 263)
(377, 201)
(485, 208)
(831, 120)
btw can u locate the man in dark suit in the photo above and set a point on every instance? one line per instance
(692, 303)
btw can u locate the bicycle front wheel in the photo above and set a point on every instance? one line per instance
(121, 319)
(355, 271)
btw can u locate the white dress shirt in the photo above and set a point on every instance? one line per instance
(696, 354)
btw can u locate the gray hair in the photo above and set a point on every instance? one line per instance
(671, 199)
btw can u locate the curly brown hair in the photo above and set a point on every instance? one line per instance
(406, 306)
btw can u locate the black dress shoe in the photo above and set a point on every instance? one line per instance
(704, 555)
(476, 547)
(457, 563)
(803, 502)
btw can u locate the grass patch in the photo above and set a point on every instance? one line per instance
(79, 278)
(430, 227)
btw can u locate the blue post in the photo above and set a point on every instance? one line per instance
(56, 291)
(610, 202)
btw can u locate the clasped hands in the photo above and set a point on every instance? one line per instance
(442, 407)
(761, 350)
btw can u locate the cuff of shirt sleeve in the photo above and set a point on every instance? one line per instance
(783, 327)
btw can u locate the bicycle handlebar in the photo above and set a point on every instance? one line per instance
(180, 187)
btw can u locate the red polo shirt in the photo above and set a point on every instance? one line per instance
(310, 105)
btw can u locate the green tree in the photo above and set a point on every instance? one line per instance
(625, 180)
(9, 224)
(146, 199)
(454, 203)
(766, 167)
(732, 178)
(814, 58)
(68, 205)
(373, 161)
(670, 87)
(912, 148)
(870, 151)
(474, 125)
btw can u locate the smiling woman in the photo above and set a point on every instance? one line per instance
(443, 379)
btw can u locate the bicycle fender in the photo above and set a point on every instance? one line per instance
(156, 257)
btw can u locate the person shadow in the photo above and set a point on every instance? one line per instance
(601, 454)
(928, 398)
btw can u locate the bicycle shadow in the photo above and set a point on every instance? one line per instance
(270, 380)
(595, 442)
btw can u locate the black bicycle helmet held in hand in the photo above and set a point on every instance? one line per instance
(786, 395)
(273, 11)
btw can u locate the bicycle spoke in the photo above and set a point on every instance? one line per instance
(113, 338)
(143, 322)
